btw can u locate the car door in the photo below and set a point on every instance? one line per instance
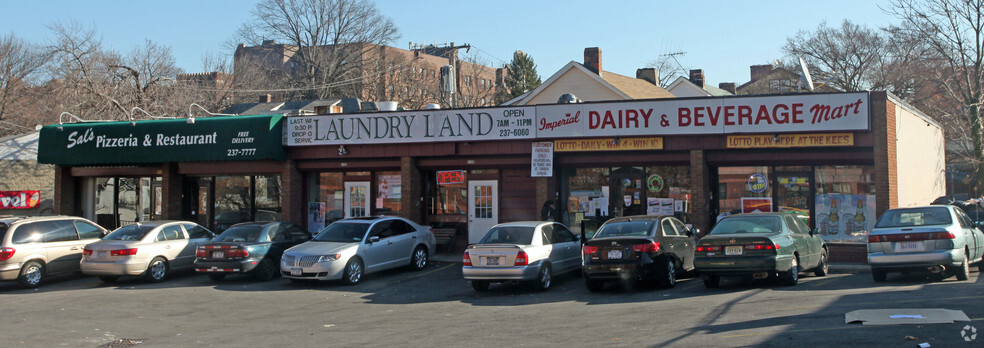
(404, 239)
(814, 241)
(970, 235)
(670, 240)
(283, 236)
(197, 236)
(564, 240)
(61, 245)
(379, 254)
(173, 246)
(809, 257)
(689, 244)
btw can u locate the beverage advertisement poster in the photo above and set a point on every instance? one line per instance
(845, 218)
(756, 204)
(659, 206)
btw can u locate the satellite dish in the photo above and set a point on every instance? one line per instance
(805, 79)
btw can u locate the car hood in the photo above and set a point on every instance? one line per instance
(319, 248)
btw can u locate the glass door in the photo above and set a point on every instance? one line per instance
(483, 208)
(792, 191)
(356, 199)
(628, 196)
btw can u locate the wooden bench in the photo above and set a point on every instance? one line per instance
(445, 236)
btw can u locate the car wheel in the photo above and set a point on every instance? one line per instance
(109, 279)
(266, 270)
(543, 279)
(712, 281)
(594, 285)
(157, 271)
(963, 273)
(419, 259)
(31, 275)
(791, 277)
(879, 275)
(353, 272)
(823, 267)
(216, 277)
(669, 278)
(480, 285)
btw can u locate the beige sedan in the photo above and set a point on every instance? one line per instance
(151, 249)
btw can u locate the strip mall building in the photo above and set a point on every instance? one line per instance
(838, 160)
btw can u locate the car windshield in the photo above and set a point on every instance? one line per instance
(344, 232)
(625, 228)
(240, 234)
(509, 235)
(129, 232)
(748, 224)
(915, 217)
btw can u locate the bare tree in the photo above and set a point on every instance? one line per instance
(331, 38)
(18, 61)
(668, 68)
(846, 58)
(954, 31)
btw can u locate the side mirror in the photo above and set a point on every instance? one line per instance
(373, 239)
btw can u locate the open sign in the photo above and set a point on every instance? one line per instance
(450, 177)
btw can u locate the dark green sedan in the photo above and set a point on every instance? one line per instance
(760, 245)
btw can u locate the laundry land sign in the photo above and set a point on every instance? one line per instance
(19, 199)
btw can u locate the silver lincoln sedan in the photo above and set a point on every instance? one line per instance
(350, 248)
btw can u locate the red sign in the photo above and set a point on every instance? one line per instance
(19, 199)
(450, 177)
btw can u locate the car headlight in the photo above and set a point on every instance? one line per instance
(328, 258)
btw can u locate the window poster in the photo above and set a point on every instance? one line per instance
(756, 204)
(316, 216)
(659, 206)
(845, 218)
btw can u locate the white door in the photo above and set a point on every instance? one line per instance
(356, 199)
(483, 208)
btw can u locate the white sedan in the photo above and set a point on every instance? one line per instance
(531, 251)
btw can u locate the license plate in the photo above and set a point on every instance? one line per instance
(295, 271)
(733, 250)
(218, 254)
(614, 254)
(492, 261)
(101, 254)
(909, 246)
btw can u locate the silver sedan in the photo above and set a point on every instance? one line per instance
(531, 251)
(940, 239)
(350, 248)
(151, 249)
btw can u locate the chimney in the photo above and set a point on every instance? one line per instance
(697, 77)
(759, 71)
(728, 86)
(592, 59)
(266, 98)
(648, 74)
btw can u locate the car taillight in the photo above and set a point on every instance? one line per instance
(6, 253)
(234, 253)
(123, 252)
(646, 248)
(203, 253)
(466, 259)
(942, 235)
(876, 239)
(522, 259)
(588, 250)
(708, 248)
(86, 252)
(762, 247)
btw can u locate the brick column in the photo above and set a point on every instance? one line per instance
(292, 197)
(411, 190)
(886, 167)
(172, 188)
(66, 189)
(700, 191)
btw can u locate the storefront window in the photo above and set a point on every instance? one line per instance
(446, 199)
(744, 190)
(793, 190)
(106, 202)
(233, 201)
(123, 201)
(845, 203)
(268, 205)
(668, 191)
(388, 193)
(331, 191)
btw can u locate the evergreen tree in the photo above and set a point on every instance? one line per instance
(522, 75)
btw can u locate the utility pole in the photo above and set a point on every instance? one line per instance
(451, 52)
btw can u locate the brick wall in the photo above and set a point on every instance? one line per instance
(412, 190)
(700, 191)
(18, 175)
(886, 169)
(292, 198)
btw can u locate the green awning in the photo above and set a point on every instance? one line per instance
(232, 138)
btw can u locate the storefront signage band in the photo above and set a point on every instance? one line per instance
(763, 141)
(238, 138)
(19, 199)
(608, 144)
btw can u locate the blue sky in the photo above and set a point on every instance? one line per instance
(722, 37)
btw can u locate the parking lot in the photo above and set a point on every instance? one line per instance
(435, 307)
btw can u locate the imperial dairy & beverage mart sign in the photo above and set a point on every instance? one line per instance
(412, 126)
(719, 115)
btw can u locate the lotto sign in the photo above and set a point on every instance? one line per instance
(19, 199)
